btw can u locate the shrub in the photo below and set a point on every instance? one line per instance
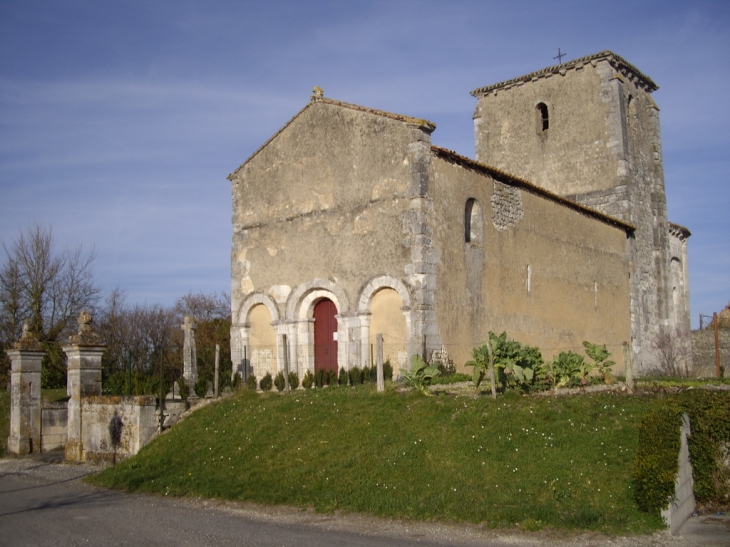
(183, 387)
(366, 375)
(279, 381)
(331, 378)
(656, 463)
(387, 370)
(266, 382)
(236, 381)
(251, 382)
(355, 376)
(201, 387)
(343, 377)
(308, 380)
(293, 380)
(319, 378)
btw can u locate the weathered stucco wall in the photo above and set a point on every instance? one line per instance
(547, 274)
(321, 211)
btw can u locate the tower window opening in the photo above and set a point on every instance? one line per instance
(543, 117)
(473, 222)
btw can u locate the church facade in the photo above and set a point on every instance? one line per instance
(349, 222)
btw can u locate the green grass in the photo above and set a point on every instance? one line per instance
(4, 420)
(563, 463)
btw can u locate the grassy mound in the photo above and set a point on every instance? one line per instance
(563, 463)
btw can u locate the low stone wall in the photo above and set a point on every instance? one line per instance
(703, 351)
(54, 426)
(135, 416)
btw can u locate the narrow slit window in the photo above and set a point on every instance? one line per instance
(473, 222)
(543, 118)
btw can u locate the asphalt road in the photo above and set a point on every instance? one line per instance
(46, 504)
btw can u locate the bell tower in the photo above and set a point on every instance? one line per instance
(589, 130)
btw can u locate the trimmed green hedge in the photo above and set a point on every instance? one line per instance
(656, 463)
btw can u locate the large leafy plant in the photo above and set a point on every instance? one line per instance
(567, 366)
(600, 356)
(420, 374)
(517, 366)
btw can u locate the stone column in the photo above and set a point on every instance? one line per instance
(25, 394)
(83, 352)
(190, 359)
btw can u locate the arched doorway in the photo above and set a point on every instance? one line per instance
(325, 335)
(387, 319)
(261, 342)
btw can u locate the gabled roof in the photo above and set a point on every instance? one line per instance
(423, 124)
(512, 180)
(619, 63)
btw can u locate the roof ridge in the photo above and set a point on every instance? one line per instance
(428, 125)
(514, 180)
(425, 124)
(616, 60)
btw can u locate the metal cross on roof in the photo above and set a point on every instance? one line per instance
(559, 57)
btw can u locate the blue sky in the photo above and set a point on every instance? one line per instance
(119, 122)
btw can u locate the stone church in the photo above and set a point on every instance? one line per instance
(349, 223)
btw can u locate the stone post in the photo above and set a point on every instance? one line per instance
(190, 359)
(84, 351)
(25, 394)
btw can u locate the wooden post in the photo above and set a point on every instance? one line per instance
(286, 365)
(245, 364)
(217, 370)
(717, 345)
(425, 357)
(379, 363)
(491, 369)
(629, 366)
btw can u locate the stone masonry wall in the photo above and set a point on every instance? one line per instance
(54, 426)
(703, 351)
(138, 420)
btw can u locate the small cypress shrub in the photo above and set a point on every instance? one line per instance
(332, 378)
(293, 380)
(366, 374)
(343, 377)
(387, 370)
(279, 381)
(308, 380)
(251, 382)
(184, 391)
(319, 378)
(201, 387)
(355, 376)
(266, 382)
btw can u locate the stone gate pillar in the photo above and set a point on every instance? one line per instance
(84, 352)
(25, 394)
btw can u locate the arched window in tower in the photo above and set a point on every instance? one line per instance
(543, 118)
(473, 222)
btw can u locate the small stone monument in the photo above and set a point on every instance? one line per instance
(190, 360)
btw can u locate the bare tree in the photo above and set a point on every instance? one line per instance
(673, 350)
(46, 287)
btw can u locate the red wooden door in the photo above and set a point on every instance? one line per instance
(325, 335)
